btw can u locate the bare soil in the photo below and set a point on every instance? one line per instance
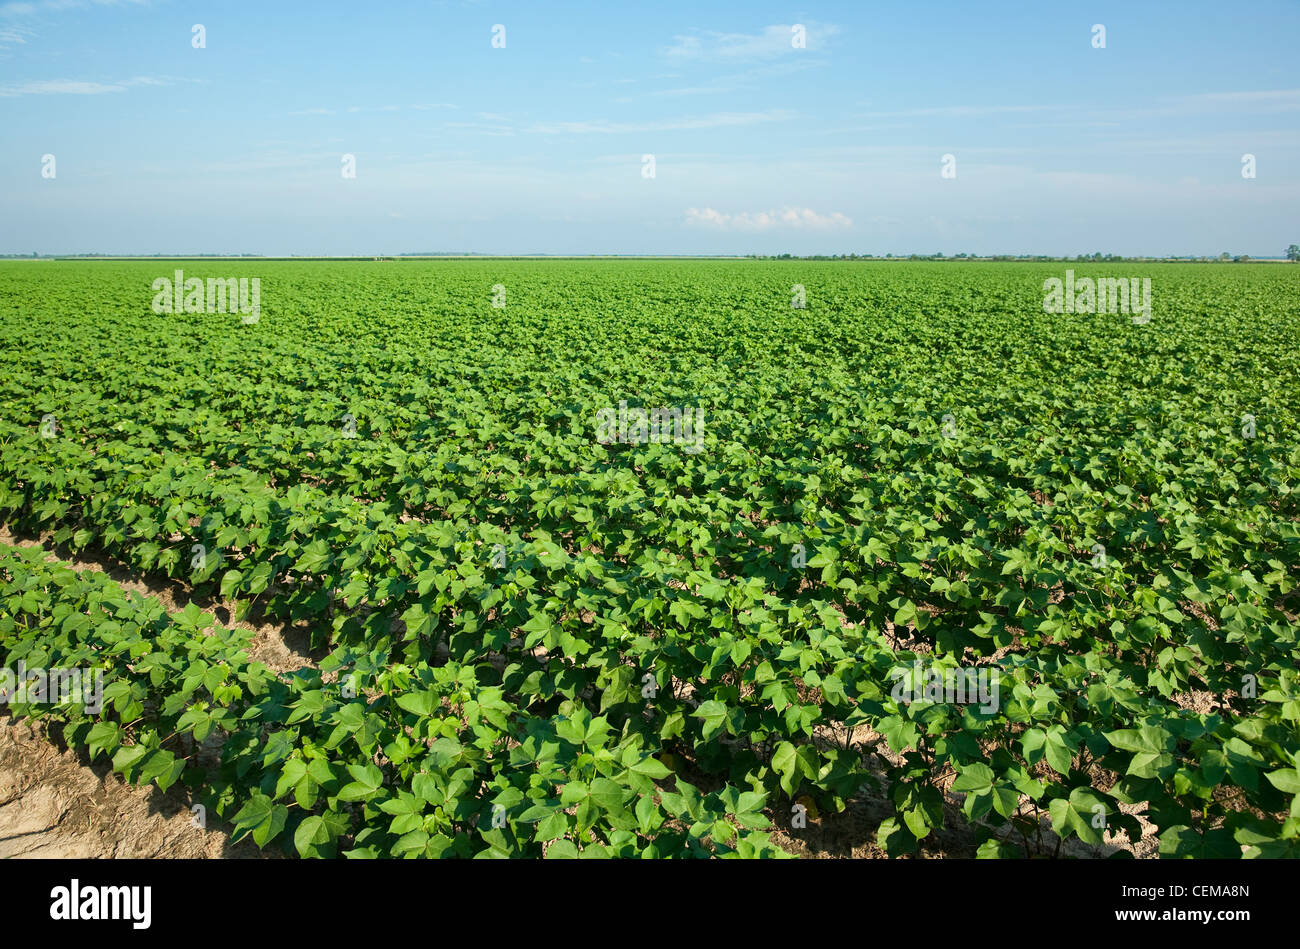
(53, 804)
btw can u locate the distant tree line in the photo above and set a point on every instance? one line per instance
(1292, 253)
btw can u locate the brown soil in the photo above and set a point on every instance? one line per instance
(53, 804)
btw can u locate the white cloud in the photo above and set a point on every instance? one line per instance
(788, 218)
(1267, 95)
(82, 87)
(773, 41)
(53, 6)
(1274, 100)
(313, 112)
(695, 91)
(958, 111)
(487, 128)
(717, 120)
(14, 36)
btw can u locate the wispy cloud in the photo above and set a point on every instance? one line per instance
(487, 128)
(773, 41)
(1267, 100)
(751, 77)
(1269, 95)
(83, 87)
(14, 36)
(694, 91)
(677, 158)
(382, 108)
(959, 111)
(1199, 104)
(54, 6)
(792, 218)
(716, 120)
(1272, 100)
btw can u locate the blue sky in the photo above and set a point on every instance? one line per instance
(759, 147)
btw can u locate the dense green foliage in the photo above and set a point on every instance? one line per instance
(298, 742)
(570, 630)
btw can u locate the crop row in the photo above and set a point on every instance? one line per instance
(385, 760)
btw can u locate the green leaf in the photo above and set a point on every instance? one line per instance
(714, 715)
(105, 737)
(1084, 813)
(260, 816)
(1286, 780)
(367, 780)
(314, 838)
(562, 850)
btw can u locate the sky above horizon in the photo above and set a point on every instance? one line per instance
(539, 145)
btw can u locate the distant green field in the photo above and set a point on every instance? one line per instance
(546, 628)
